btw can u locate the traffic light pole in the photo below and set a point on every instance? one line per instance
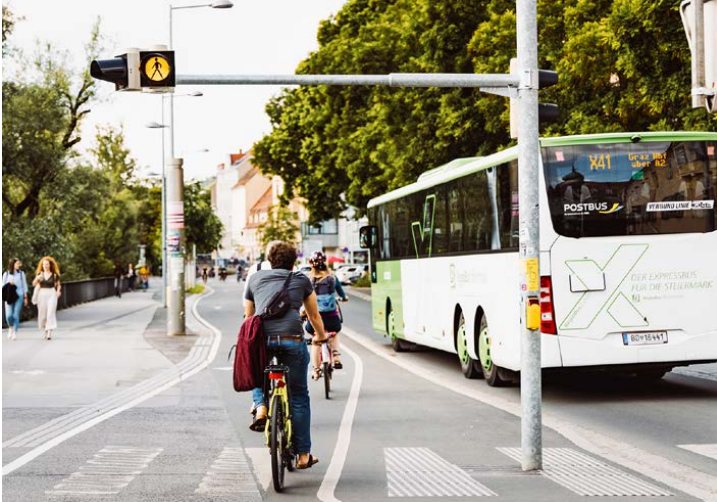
(176, 247)
(529, 244)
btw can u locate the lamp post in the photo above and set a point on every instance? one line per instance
(218, 4)
(156, 125)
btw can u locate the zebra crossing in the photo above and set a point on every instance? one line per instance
(232, 473)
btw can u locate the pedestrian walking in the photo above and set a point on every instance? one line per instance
(48, 290)
(131, 277)
(118, 273)
(14, 294)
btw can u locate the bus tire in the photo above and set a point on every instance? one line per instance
(469, 366)
(397, 344)
(491, 372)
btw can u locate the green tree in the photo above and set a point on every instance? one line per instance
(281, 226)
(623, 64)
(202, 226)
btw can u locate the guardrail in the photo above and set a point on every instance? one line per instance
(73, 293)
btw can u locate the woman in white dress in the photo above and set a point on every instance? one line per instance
(48, 280)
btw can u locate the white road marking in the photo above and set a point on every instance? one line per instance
(341, 449)
(223, 368)
(420, 472)
(55, 432)
(109, 471)
(587, 476)
(261, 463)
(673, 474)
(708, 450)
(230, 474)
(28, 372)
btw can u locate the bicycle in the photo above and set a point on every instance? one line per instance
(326, 362)
(278, 431)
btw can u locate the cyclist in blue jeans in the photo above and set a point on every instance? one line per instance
(288, 334)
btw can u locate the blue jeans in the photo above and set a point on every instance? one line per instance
(12, 313)
(295, 355)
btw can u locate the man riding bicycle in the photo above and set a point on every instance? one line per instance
(286, 333)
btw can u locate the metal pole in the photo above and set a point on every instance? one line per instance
(164, 219)
(392, 80)
(698, 55)
(528, 165)
(176, 245)
(171, 96)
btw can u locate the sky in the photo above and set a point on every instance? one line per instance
(253, 37)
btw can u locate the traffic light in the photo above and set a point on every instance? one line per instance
(156, 69)
(137, 70)
(547, 112)
(122, 71)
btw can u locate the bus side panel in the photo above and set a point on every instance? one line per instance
(387, 287)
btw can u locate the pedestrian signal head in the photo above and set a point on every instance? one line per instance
(121, 70)
(157, 69)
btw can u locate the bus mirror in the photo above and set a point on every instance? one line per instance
(368, 237)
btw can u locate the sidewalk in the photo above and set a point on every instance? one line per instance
(98, 349)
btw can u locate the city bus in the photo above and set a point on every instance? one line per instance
(628, 256)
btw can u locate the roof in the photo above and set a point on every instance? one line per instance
(264, 202)
(462, 167)
(234, 158)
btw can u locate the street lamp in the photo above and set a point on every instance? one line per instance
(157, 125)
(217, 4)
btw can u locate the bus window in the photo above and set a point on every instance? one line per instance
(631, 188)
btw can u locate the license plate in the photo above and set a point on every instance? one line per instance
(645, 338)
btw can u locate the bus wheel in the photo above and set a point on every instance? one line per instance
(397, 344)
(469, 366)
(491, 372)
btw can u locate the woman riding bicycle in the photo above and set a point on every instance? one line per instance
(326, 287)
(287, 333)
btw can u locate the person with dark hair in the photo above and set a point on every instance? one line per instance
(131, 276)
(14, 280)
(287, 333)
(326, 287)
(119, 274)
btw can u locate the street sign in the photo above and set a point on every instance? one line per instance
(157, 69)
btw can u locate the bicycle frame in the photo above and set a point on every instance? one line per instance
(276, 384)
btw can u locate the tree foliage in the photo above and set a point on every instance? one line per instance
(623, 64)
(281, 226)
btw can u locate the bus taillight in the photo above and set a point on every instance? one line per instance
(547, 312)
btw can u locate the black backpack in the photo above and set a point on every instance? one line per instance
(9, 293)
(279, 303)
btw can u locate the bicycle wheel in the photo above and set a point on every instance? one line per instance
(277, 443)
(327, 378)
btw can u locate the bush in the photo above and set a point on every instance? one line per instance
(196, 290)
(363, 282)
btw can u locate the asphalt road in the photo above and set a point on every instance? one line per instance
(387, 432)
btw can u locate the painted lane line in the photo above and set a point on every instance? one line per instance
(586, 476)
(708, 450)
(107, 473)
(338, 458)
(420, 472)
(180, 375)
(230, 474)
(358, 294)
(667, 472)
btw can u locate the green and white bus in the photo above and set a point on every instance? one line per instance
(628, 254)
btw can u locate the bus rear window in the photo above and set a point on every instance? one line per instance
(632, 189)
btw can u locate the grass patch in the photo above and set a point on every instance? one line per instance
(363, 282)
(197, 289)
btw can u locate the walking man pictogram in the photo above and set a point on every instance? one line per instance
(157, 66)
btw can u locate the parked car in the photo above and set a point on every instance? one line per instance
(305, 269)
(347, 272)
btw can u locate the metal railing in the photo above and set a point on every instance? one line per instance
(74, 293)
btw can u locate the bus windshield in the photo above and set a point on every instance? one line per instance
(642, 188)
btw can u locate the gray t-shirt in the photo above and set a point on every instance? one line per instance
(262, 287)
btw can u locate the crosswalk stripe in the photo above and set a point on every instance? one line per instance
(107, 473)
(420, 472)
(230, 474)
(708, 450)
(586, 476)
